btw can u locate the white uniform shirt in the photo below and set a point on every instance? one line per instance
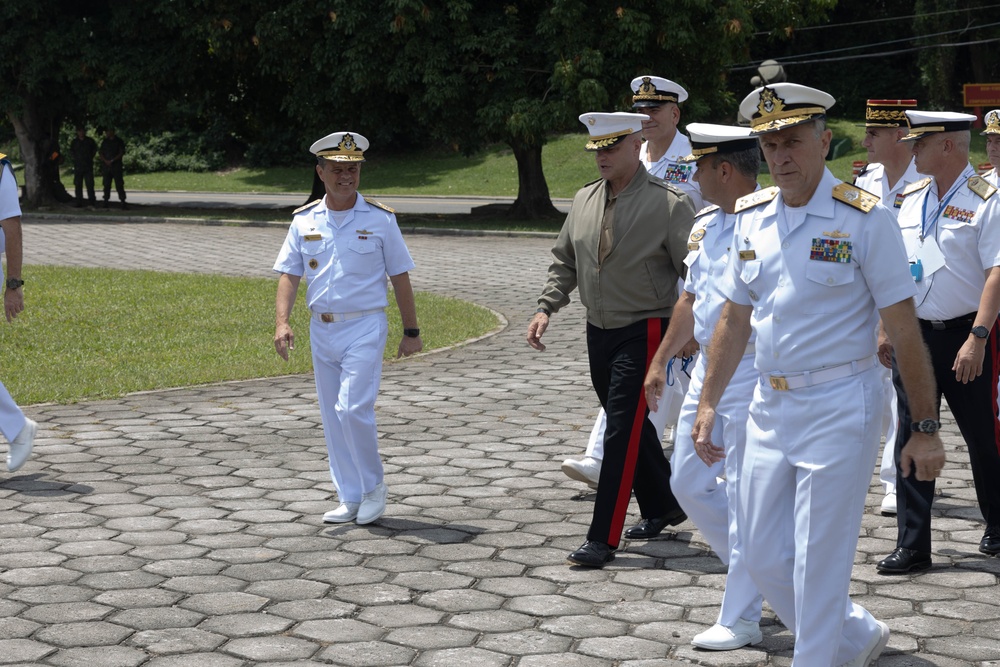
(9, 206)
(670, 168)
(969, 241)
(344, 264)
(707, 261)
(875, 182)
(812, 313)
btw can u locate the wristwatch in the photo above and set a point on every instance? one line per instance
(14, 283)
(980, 331)
(411, 333)
(928, 426)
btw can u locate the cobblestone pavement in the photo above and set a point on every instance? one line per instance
(183, 527)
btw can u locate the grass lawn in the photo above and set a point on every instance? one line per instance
(99, 333)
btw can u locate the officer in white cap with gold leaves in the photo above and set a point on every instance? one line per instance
(890, 170)
(344, 245)
(951, 228)
(623, 245)
(663, 155)
(992, 134)
(814, 264)
(728, 164)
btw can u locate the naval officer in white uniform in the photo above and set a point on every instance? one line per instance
(992, 134)
(345, 245)
(812, 267)
(728, 160)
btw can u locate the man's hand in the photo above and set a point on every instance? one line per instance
(409, 345)
(969, 360)
(925, 454)
(702, 435)
(13, 303)
(689, 350)
(884, 348)
(284, 340)
(539, 323)
(656, 380)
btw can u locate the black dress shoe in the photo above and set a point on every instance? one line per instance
(904, 560)
(990, 544)
(648, 528)
(592, 554)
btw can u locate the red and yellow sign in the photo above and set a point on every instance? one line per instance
(981, 94)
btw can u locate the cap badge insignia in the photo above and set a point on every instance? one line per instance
(993, 118)
(646, 87)
(591, 120)
(770, 102)
(347, 143)
(697, 235)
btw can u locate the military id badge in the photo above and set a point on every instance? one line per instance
(831, 250)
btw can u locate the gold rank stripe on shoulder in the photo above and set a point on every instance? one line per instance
(307, 206)
(380, 205)
(756, 198)
(2, 156)
(916, 185)
(705, 211)
(981, 187)
(854, 196)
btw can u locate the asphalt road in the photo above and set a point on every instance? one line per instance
(403, 204)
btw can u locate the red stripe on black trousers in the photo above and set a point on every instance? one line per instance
(633, 453)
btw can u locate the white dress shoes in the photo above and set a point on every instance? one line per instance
(373, 504)
(20, 447)
(873, 650)
(344, 513)
(586, 470)
(888, 507)
(723, 638)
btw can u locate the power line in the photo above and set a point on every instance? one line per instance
(878, 44)
(892, 18)
(869, 55)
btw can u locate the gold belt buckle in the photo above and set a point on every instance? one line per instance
(779, 383)
(326, 317)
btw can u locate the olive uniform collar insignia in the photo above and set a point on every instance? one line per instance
(307, 206)
(756, 198)
(981, 187)
(916, 185)
(854, 196)
(379, 204)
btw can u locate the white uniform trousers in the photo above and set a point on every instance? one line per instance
(807, 466)
(667, 413)
(347, 362)
(712, 503)
(12, 420)
(890, 422)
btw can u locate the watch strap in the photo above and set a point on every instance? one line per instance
(411, 333)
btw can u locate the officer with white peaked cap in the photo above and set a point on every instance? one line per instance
(344, 245)
(992, 134)
(623, 245)
(814, 264)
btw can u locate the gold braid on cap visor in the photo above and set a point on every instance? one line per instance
(606, 140)
(782, 118)
(659, 98)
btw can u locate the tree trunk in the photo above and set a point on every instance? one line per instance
(533, 199)
(34, 134)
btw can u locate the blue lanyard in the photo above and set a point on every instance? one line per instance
(685, 362)
(924, 228)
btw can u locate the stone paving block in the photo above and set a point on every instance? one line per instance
(271, 648)
(288, 589)
(563, 660)
(138, 597)
(216, 603)
(493, 621)
(176, 640)
(337, 630)
(366, 654)
(463, 657)
(246, 625)
(195, 659)
(17, 628)
(13, 651)
(66, 612)
(105, 656)
(303, 610)
(156, 618)
(86, 633)
(433, 637)
(525, 642)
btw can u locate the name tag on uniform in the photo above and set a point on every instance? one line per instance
(312, 237)
(746, 255)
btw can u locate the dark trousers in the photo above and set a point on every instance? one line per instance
(633, 454)
(114, 173)
(79, 178)
(974, 406)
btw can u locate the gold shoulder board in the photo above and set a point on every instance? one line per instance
(916, 185)
(307, 206)
(756, 198)
(380, 205)
(2, 156)
(854, 196)
(981, 187)
(705, 211)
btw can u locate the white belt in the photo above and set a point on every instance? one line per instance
(751, 349)
(341, 317)
(810, 378)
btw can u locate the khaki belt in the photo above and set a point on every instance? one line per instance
(811, 378)
(343, 317)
